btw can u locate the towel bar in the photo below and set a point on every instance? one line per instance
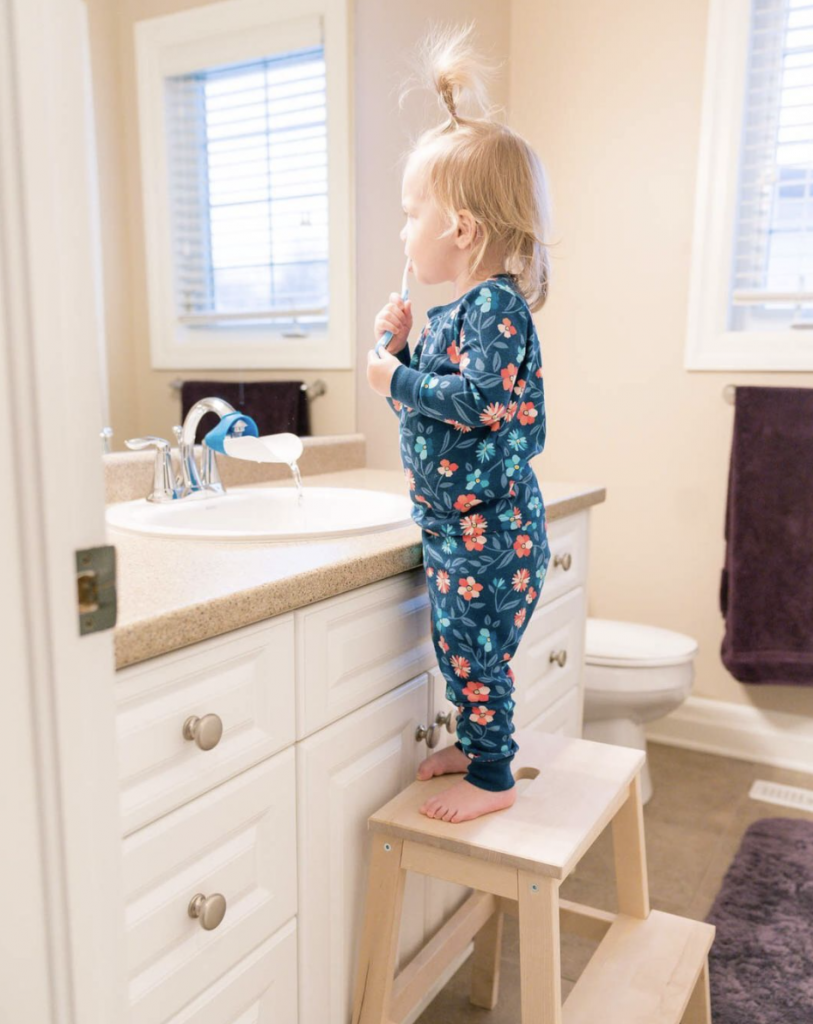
(318, 387)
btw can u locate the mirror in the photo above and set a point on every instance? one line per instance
(224, 220)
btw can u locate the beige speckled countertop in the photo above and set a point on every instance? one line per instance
(172, 593)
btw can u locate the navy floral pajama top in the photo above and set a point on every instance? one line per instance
(471, 403)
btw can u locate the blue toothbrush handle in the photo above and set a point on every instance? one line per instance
(386, 337)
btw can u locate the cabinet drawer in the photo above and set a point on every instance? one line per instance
(238, 840)
(555, 634)
(358, 646)
(245, 678)
(568, 542)
(261, 989)
(563, 717)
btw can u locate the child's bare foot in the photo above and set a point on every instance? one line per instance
(450, 759)
(464, 801)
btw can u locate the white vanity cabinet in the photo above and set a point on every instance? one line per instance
(324, 714)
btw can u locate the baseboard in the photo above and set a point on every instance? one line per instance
(738, 730)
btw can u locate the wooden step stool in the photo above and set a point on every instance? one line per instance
(649, 967)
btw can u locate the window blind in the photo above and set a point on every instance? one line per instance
(773, 252)
(247, 156)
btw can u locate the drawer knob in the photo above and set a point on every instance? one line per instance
(449, 720)
(206, 731)
(563, 560)
(559, 656)
(431, 735)
(209, 910)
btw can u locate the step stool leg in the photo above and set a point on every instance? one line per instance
(378, 948)
(485, 972)
(630, 854)
(698, 1010)
(539, 949)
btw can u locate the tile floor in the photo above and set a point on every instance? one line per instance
(693, 824)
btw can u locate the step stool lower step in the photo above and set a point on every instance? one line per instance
(645, 971)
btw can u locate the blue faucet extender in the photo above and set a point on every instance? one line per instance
(234, 424)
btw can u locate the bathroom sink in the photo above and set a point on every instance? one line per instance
(256, 514)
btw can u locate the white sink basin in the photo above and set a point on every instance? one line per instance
(265, 514)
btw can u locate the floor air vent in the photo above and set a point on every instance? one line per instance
(785, 796)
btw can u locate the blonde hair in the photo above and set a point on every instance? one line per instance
(483, 166)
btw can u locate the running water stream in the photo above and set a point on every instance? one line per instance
(297, 481)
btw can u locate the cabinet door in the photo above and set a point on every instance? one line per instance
(246, 678)
(550, 658)
(345, 772)
(360, 645)
(260, 989)
(563, 717)
(569, 547)
(238, 840)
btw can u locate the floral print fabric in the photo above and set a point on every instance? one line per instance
(471, 405)
(481, 602)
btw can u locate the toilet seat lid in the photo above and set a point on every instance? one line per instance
(635, 645)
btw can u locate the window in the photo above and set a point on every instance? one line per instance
(248, 190)
(751, 304)
(248, 218)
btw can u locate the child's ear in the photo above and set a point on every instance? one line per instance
(466, 227)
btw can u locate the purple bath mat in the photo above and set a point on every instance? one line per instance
(761, 961)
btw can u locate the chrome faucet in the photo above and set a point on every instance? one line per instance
(164, 485)
(193, 479)
(208, 479)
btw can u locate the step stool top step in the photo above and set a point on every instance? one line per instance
(578, 786)
(643, 971)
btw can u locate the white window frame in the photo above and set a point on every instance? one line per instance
(215, 34)
(709, 346)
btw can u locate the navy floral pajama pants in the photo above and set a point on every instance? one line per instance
(482, 597)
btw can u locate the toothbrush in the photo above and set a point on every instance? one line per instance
(387, 336)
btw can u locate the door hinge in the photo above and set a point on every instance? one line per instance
(96, 588)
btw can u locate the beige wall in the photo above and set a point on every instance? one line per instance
(610, 96)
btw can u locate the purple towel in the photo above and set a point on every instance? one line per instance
(766, 590)
(276, 406)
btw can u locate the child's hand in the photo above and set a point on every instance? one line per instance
(396, 316)
(380, 369)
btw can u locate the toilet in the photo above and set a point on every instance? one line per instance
(633, 673)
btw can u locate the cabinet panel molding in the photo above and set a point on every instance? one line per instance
(238, 840)
(246, 679)
(260, 989)
(353, 648)
(345, 772)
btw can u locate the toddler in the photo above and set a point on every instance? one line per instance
(471, 405)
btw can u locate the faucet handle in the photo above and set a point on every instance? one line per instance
(137, 444)
(163, 484)
(189, 480)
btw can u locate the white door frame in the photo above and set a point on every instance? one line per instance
(62, 935)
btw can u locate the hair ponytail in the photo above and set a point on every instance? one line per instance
(481, 165)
